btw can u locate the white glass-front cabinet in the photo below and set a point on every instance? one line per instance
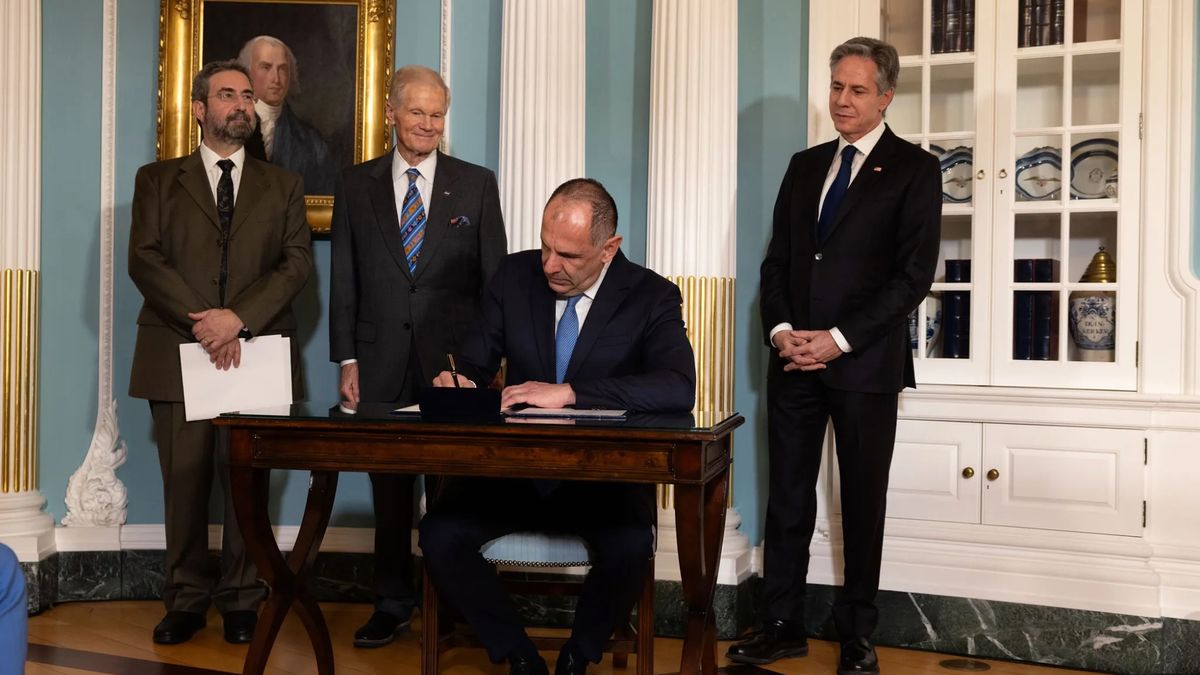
(1032, 107)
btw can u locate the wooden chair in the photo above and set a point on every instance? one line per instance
(531, 549)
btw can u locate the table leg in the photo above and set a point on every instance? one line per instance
(699, 526)
(287, 578)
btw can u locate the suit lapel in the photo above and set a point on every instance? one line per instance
(541, 310)
(383, 201)
(810, 190)
(251, 188)
(442, 200)
(195, 182)
(609, 296)
(874, 167)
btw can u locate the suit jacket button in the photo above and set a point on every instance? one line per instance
(407, 325)
(412, 288)
(818, 256)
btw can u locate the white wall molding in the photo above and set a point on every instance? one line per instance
(95, 496)
(542, 81)
(444, 52)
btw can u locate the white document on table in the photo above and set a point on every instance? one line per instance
(263, 380)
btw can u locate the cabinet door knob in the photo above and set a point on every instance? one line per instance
(979, 175)
(968, 472)
(1004, 173)
(993, 474)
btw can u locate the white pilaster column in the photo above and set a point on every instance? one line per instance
(23, 524)
(691, 228)
(96, 498)
(541, 109)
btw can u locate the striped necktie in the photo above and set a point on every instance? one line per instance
(412, 221)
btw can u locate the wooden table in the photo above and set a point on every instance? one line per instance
(690, 452)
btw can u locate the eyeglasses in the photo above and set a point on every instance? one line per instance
(229, 96)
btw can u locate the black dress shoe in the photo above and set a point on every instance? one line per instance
(858, 656)
(239, 626)
(778, 639)
(177, 627)
(380, 629)
(570, 663)
(524, 665)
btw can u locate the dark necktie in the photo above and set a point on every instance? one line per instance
(565, 337)
(837, 191)
(412, 221)
(225, 212)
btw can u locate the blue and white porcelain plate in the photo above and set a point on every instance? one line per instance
(956, 164)
(1094, 169)
(1039, 174)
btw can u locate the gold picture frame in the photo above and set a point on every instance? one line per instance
(181, 42)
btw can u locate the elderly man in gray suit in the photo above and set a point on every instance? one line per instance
(416, 235)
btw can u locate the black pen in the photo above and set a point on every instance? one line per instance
(453, 370)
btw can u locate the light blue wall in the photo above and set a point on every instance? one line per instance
(618, 111)
(771, 87)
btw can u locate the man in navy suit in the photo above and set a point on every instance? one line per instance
(853, 250)
(580, 325)
(416, 235)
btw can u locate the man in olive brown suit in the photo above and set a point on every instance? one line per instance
(219, 246)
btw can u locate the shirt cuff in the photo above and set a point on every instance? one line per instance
(778, 327)
(347, 362)
(840, 340)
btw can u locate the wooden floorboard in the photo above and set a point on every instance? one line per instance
(114, 637)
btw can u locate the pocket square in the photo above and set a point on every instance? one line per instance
(460, 221)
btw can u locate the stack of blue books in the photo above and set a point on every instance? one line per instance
(1035, 313)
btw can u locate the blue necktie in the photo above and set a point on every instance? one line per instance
(412, 221)
(837, 191)
(565, 337)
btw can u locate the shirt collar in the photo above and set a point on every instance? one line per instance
(210, 157)
(867, 143)
(427, 166)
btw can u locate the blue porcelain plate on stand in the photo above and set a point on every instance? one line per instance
(956, 164)
(1094, 169)
(1039, 174)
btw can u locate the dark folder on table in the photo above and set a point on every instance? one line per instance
(459, 403)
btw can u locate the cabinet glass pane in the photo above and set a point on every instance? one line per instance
(1039, 100)
(1092, 324)
(904, 113)
(1040, 22)
(953, 335)
(1094, 160)
(1035, 325)
(1036, 236)
(954, 257)
(952, 27)
(928, 345)
(1097, 20)
(900, 25)
(1090, 233)
(1095, 89)
(952, 98)
(958, 167)
(1038, 169)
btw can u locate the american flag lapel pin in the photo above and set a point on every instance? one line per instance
(878, 169)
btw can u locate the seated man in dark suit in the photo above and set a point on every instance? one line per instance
(580, 325)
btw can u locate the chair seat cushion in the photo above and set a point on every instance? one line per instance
(536, 549)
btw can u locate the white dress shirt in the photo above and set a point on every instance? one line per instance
(584, 304)
(210, 158)
(863, 147)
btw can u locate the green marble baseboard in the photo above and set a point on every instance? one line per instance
(1115, 643)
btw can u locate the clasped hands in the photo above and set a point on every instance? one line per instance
(217, 332)
(536, 394)
(805, 349)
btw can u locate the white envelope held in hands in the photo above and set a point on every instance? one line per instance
(263, 380)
